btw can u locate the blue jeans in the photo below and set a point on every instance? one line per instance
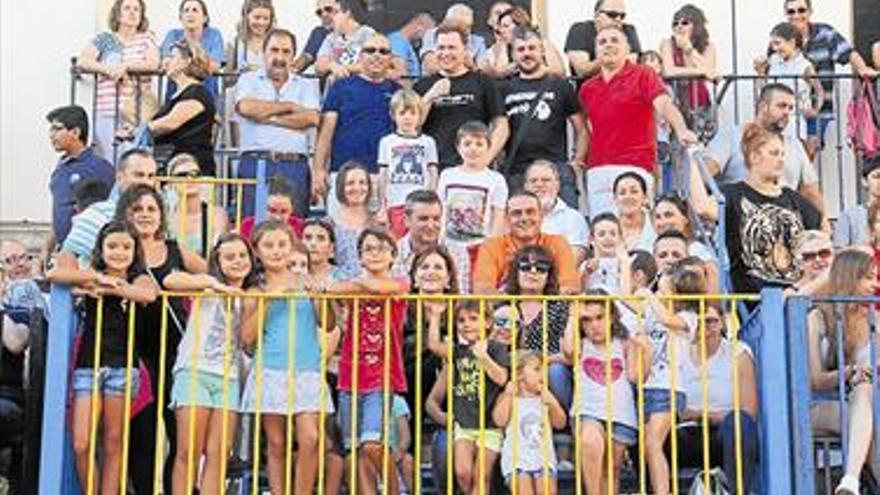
(439, 444)
(297, 174)
(561, 384)
(722, 447)
(371, 407)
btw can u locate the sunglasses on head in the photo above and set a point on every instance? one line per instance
(540, 266)
(799, 10)
(371, 50)
(810, 256)
(613, 14)
(327, 9)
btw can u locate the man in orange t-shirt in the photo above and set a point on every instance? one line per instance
(524, 216)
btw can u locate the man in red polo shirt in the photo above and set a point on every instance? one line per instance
(620, 103)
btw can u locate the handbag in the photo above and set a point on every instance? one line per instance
(862, 121)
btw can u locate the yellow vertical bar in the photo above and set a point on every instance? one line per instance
(671, 339)
(160, 396)
(322, 411)
(609, 413)
(181, 213)
(417, 483)
(576, 398)
(704, 386)
(96, 367)
(386, 393)
(212, 191)
(481, 406)
(191, 440)
(514, 343)
(450, 364)
(291, 356)
(227, 362)
(547, 441)
(737, 404)
(355, 382)
(640, 409)
(239, 198)
(258, 388)
(126, 405)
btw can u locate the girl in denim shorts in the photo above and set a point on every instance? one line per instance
(205, 390)
(114, 282)
(606, 371)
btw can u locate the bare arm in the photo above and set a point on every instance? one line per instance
(500, 133)
(696, 63)
(664, 106)
(435, 396)
(501, 411)
(555, 62)
(748, 389)
(860, 67)
(141, 290)
(811, 193)
(250, 319)
(324, 140)
(875, 54)
(820, 378)
(435, 342)
(298, 121)
(632, 348)
(180, 114)
(494, 371)
(183, 281)
(582, 137)
(581, 64)
(554, 410)
(404, 438)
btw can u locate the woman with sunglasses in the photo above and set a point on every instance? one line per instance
(721, 359)
(533, 273)
(814, 254)
(187, 210)
(689, 53)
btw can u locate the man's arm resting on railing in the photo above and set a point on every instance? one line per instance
(666, 108)
(860, 67)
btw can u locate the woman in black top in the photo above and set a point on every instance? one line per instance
(186, 121)
(764, 219)
(142, 206)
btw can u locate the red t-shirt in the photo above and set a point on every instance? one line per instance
(296, 223)
(371, 347)
(621, 114)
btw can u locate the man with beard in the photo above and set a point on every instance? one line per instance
(278, 108)
(457, 95)
(542, 180)
(355, 117)
(537, 106)
(524, 216)
(775, 107)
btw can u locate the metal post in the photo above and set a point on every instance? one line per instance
(57, 474)
(774, 389)
(735, 60)
(261, 191)
(799, 372)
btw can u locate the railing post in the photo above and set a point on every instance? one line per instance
(57, 474)
(776, 453)
(262, 190)
(799, 373)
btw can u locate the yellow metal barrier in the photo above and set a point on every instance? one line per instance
(231, 305)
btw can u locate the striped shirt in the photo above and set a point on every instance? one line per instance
(825, 48)
(86, 225)
(113, 51)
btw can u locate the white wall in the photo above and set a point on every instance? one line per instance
(34, 63)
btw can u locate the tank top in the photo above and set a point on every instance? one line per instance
(719, 369)
(277, 331)
(530, 432)
(593, 384)
(149, 317)
(208, 351)
(692, 93)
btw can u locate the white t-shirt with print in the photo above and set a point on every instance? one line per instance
(665, 342)
(408, 160)
(468, 197)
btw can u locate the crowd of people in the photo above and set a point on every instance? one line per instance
(447, 165)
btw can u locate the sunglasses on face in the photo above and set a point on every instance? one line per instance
(186, 174)
(540, 266)
(614, 15)
(372, 50)
(811, 256)
(681, 22)
(327, 9)
(799, 10)
(502, 322)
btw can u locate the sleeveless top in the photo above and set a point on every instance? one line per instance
(530, 447)
(278, 329)
(593, 387)
(149, 317)
(692, 93)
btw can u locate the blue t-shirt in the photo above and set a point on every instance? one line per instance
(364, 117)
(316, 38)
(212, 43)
(307, 347)
(67, 174)
(402, 48)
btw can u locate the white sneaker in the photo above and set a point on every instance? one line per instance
(849, 485)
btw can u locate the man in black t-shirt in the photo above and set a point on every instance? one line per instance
(537, 122)
(580, 45)
(457, 95)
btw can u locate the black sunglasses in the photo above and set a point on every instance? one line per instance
(799, 10)
(540, 266)
(613, 14)
(371, 50)
(327, 9)
(188, 174)
(681, 22)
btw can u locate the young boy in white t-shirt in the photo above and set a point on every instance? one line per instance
(473, 194)
(407, 159)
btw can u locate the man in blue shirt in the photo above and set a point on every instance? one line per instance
(406, 60)
(356, 115)
(69, 133)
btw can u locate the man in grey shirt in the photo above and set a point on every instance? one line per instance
(775, 105)
(852, 225)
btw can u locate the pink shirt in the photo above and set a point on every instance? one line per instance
(371, 347)
(621, 114)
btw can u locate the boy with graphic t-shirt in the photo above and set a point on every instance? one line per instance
(474, 195)
(407, 159)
